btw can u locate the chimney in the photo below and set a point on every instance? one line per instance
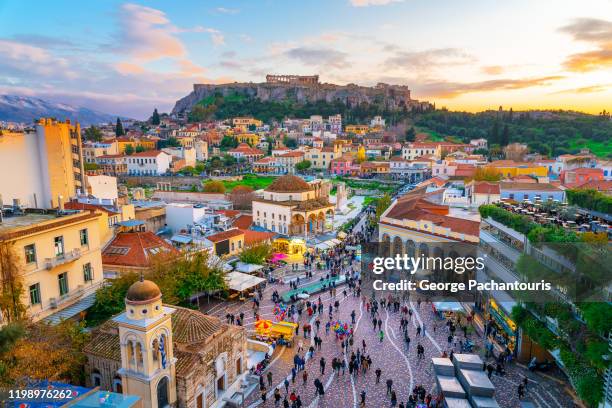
(60, 203)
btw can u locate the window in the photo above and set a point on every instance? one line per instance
(58, 243)
(84, 237)
(62, 280)
(239, 244)
(35, 294)
(525, 196)
(30, 253)
(87, 272)
(233, 246)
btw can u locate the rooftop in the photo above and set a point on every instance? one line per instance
(17, 226)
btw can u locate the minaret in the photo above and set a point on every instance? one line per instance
(147, 356)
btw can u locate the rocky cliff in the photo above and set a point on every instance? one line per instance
(392, 97)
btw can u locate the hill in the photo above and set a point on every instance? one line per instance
(275, 100)
(548, 132)
(25, 109)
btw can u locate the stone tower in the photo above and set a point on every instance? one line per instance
(147, 355)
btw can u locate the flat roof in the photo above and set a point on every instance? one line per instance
(18, 221)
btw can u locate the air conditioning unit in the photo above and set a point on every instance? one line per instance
(53, 303)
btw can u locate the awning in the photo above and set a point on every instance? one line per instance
(181, 239)
(83, 304)
(240, 282)
(247, 267)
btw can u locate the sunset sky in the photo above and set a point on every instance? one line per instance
(129, 57)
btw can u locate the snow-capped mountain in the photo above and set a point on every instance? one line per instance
(25, 109)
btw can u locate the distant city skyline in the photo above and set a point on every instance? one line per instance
(126, 58)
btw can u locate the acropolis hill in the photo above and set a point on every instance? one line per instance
(303, 89)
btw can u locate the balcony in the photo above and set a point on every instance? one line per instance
(65, 258)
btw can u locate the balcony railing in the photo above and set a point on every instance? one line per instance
(66, 257)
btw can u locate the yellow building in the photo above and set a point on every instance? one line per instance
(40, 166)
(59, 258)
(252, 139)
(242, 124)
(229, 242)
(357, 129)
(510, 169)
(123, 142)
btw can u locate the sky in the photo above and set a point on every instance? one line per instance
(131, 57)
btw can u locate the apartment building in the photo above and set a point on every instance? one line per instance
(44, 164)
(148, 163)
(59, 259)
(91, 150)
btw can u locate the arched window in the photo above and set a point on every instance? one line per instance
(117, 385)
(139, 358)
(96, 378)
(130, 352)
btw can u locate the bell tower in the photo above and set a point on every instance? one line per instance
(147, 356)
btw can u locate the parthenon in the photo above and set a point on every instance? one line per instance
(293, 79)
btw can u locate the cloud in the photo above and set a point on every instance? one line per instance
(444, 89)
(492, 69)
(20, 58)
(426, 59)
(367, 3)
(224, 10)
(595, 32)
(585, 89)
(324, 57)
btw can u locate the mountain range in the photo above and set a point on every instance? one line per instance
(26, 109)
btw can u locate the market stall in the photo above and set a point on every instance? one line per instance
(241, 283)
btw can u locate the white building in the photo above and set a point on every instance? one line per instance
(377, 121)
(201, 149)
(335, 123)
(186, 153)
(149, 163)
(104, 187)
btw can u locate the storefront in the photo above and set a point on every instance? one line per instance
(506, 333)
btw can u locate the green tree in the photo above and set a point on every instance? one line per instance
(93, 134)
(214, 186)
(494, 134)
(173, 142)
(129, 150)
(382, 204)
(505, 137)
(11, 284)
(155, 118)
(119, 131)
(270, 142)
(229, 160)
(303, 165)
(139, 148)
(256, 254)
(290, 142)
(410, 134)
(228, 142)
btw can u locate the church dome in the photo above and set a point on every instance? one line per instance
(143, 291)
(289, 184)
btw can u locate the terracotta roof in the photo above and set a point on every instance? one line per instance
(253, 237)
(228, 213)
(418, 208)
(191, 326)
(292, 154)
(599, 185)
(265, 160)
(328, 150)
(528, 186)
(222, 236)
(484, 187)
(142, 291)
(134, 249)
(149, 153)
(110, 156)
(246, 149)
(243, 222)
(289, 184)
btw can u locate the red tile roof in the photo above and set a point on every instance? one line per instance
(484, 187)
(229, 213)
(246, 149)
(243, 222)
(149, 153)
(75, 205)
(224, 235)
(135, 249)
(599, 185)
(253, 237)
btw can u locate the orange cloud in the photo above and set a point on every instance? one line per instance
(584, 90)
(593, 31)
(454, 89)
(492, 69)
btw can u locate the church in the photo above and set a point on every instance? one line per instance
(169, 356)
(293, 207)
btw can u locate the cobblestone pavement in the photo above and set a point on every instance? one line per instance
(396, 361)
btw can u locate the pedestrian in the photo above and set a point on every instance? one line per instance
(269, 376)
(378, 372)
(389, 386)
(381, 336)
(305, 377)
(263, 394)
(277, 396)
(286, 382)
(363, 399)
(322, 365)
(293, 375)
(521, 391)
(393, 399)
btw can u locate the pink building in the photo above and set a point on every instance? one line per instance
(341, 166)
